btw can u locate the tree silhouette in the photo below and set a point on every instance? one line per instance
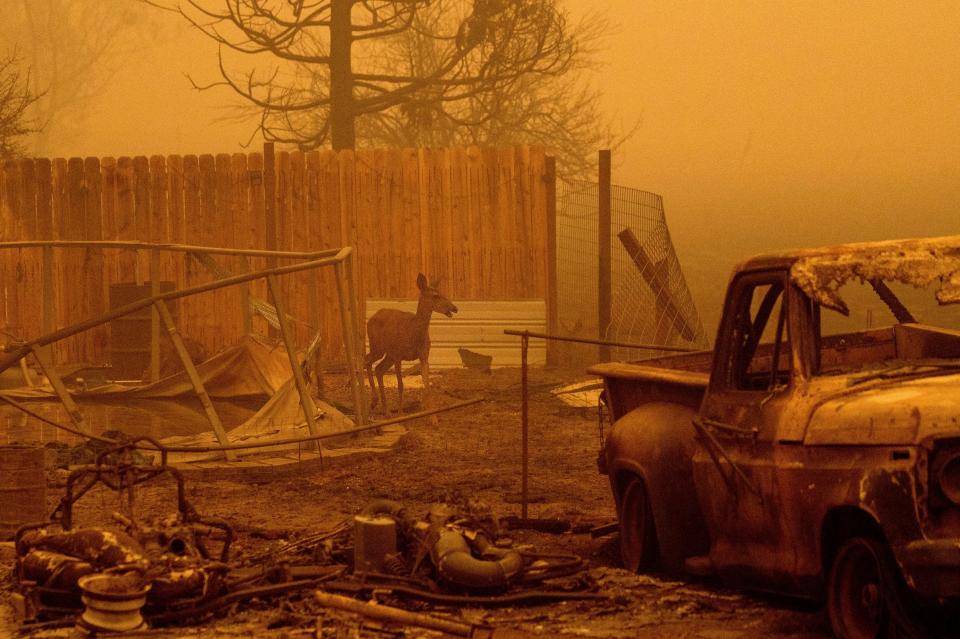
(405, 72)
(15, 99)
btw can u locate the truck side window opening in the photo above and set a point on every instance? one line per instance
(761, 358)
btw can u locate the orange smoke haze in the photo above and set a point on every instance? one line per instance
(764, 125)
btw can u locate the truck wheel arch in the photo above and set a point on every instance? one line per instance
(654, 443)
(842, 523)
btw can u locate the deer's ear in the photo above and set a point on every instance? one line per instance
(435, 283)
(421, 281)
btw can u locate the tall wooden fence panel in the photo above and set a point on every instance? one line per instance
(473, 217)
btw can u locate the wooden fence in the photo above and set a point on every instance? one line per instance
(476, 217)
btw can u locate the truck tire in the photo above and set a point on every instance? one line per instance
(638, 538)
(865, 596)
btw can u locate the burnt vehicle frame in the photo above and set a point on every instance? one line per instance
(780, 466)
(117, 468)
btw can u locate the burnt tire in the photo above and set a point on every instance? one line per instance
(866, 597)
(638, 540)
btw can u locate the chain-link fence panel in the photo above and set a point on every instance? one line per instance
(650, 303)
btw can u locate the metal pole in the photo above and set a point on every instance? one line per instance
(194, 376)
(524, 425)
(306, 402)
(604, 286)
(42, 355)
(580, 340)
(348, 333)
(358, 347)
(316, 322)
(552, 310)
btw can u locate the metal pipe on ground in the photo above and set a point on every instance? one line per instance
(276, 442)
(420, 620)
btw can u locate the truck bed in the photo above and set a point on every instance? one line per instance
(679, 379)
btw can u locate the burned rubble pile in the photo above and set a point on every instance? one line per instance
(183, 568)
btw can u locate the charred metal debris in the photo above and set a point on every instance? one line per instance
(180, 569)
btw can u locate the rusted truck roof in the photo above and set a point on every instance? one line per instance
(820, 272)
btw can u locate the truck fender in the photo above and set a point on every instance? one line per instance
(656, 442)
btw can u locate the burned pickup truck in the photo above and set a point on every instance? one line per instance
(816, 451)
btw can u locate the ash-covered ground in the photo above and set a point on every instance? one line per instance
(472, 454)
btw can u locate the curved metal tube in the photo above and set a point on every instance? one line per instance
(456, 564)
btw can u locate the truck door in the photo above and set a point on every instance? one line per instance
(739, 418)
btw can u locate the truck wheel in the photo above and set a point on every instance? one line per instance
(864, 594)
(637, 536)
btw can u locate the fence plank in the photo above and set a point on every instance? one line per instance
(535, 189)
(59, 202)
(74, 229)
(7, 272)
(30, 259)
(257, 225)
(224, 234)
(294, 286)
(283, 201)
(173, 262)
(239, 185)
(13, 323)
(360, 233)
(155, 263)
(126, 221)
(108, 223)
(98, 339)
(141, 212)
(191, 308)
(409, 185)
(208, 227)
(45, 232)
(388, 216)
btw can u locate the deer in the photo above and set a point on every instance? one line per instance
(396, 336)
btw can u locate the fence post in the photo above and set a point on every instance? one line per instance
(552, 310)
(604, 244)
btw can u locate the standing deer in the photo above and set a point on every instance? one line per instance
(396, 336)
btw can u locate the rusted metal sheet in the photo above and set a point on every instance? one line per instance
(918, 263)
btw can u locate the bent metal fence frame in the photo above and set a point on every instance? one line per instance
(340, 260)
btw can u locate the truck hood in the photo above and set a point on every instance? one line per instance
(892, 412)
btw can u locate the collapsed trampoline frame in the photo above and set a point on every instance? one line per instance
(341, 260)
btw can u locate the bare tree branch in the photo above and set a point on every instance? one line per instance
(411, 72)
(15, 100)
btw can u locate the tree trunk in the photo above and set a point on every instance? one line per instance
(342, 130)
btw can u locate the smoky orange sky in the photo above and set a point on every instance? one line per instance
(765, 125)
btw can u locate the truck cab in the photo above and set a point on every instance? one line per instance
(816, 451)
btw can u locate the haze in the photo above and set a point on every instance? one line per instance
(764, 125)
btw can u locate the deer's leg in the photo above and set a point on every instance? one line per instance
(427, 390)
(382, 367)
(368, 361)
(397, 366)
